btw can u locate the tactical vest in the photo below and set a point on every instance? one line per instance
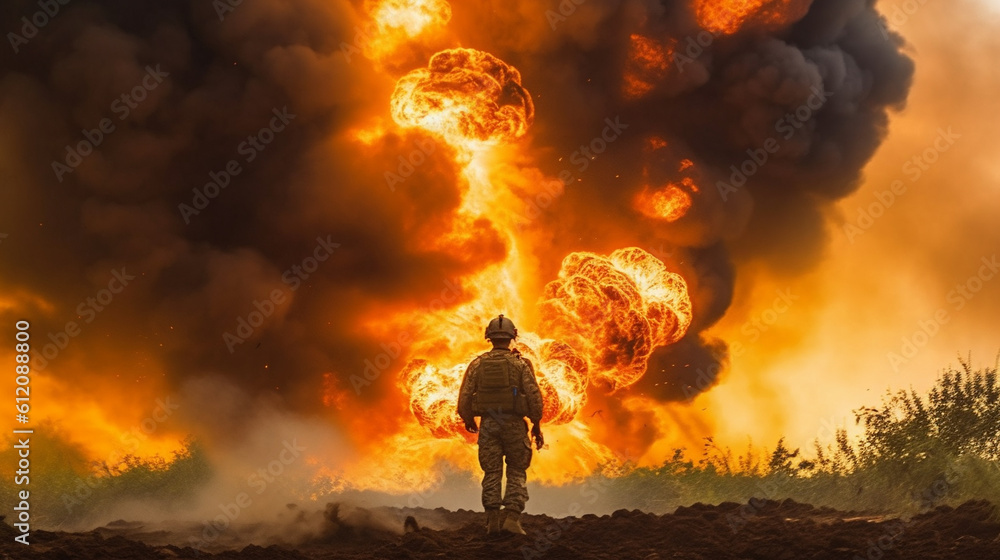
(497, 389)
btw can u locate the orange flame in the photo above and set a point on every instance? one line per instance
(647, 65)
(562, 377)
(561, 373)
(432, 392)
(729, 16)
(399, 21)
(628, 303)
(470, 98)
(609, 314)
(654, 143)
(670, 203)
(410, 17)
(616, 310)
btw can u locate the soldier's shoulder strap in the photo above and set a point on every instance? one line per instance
(474, 365)
(523, 365)
(521, 360)
(477, 363)
(513, 357)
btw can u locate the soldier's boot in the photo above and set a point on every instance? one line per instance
(512, 522)
(492, 521)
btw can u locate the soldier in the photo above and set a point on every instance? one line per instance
(499, 386)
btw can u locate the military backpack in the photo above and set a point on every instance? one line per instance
(499, 389)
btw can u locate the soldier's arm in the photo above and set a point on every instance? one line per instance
(532, 392)
(465, 394)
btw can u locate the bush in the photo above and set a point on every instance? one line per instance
(916, 452)
(65, 490)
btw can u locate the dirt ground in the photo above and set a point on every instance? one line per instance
(765, 530)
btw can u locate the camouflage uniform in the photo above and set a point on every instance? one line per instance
(503, 435)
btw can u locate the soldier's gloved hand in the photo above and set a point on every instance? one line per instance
(536, 433)
(470, 426)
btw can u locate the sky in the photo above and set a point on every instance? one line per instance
(830, 353)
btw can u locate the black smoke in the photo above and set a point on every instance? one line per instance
(230, 72)
(779, 125)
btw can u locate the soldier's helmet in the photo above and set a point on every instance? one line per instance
(501, 327)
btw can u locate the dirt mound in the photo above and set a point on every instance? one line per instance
(765, 530)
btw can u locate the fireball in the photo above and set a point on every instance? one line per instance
(470, 98)
(560, 370)
(433, 392)
(562, 376)
(616, 310)
(604, 316)
(670, 203)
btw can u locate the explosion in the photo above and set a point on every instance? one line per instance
(668, 203)
(470, 98)
(560, 370)
(605, 316)
(562, 376)
(617, 309)
(432, 392)
(575, 193)
(674, 197)
(730, 16)
(475, 101)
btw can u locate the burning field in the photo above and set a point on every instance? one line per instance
(250, 248)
